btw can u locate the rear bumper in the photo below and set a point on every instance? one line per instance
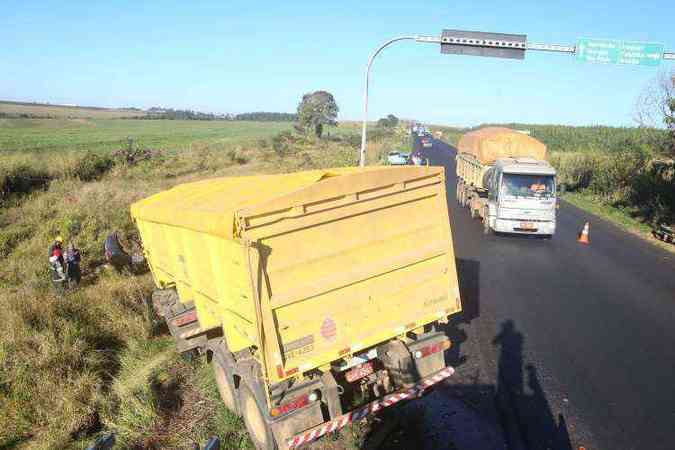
(377, 405)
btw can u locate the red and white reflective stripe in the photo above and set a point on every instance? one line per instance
(186, 318)
(374, 406)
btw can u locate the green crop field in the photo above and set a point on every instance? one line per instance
(110, 134)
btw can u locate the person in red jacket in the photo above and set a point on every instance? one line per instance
(56, 260)
(56, 249)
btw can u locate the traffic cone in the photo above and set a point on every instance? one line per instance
(583, 235)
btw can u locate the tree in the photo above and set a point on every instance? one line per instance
(656, 107)
(316, 110)
(390, 121)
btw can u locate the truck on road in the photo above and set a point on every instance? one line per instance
(504, 179)
(310, 293)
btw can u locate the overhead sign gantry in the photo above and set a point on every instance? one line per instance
(514, 46)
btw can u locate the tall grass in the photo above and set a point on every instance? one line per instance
(632, 179)
(73, 366)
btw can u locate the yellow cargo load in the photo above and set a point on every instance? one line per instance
(492, 143)
(310, 267)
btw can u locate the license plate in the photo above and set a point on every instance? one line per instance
(527, 225)
(360, 371)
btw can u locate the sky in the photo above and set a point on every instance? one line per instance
(241, 56)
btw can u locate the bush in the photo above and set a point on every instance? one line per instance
(92, 166)
(22, 179)
(378, 134)
(282, 141)
(575, 170)
(653, 191)
(235, 156)
(352, 140)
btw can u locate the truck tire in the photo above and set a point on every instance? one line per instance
(258, 429)
(226, 389)
(162, 299)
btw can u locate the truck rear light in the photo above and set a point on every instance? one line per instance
(296, 403)
(430, 349)
(360, 371)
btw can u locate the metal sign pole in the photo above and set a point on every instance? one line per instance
(362, 157)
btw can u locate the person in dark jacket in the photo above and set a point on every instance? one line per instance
(73, 264)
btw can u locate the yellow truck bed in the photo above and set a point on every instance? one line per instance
(309, 267)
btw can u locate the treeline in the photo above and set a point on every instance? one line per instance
(267, 117)
(185, 114)
(180, 114)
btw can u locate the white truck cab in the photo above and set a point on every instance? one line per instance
(521, 196)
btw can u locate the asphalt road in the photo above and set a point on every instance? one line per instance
(575, 344)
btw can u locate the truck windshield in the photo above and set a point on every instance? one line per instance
(533, 186)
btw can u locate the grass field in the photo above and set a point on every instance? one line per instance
(39, 135)
(74, 367)
(17, 109)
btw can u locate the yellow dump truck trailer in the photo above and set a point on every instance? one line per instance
(308, 292)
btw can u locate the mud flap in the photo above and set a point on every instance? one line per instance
(296, 422)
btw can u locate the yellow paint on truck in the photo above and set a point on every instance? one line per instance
(310, 267)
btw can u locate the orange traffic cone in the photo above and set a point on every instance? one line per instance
(583, 236)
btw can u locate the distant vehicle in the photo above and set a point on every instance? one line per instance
(426, 142)
(396, 158)
(503, 178)
(417, 159)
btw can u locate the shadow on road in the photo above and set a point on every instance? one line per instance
(525, 413)
(466, 414)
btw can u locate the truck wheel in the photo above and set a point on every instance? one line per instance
(225, 384)
(258, 429)
(162, 299)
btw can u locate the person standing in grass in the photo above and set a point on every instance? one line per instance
(56, 247)
(56, 251)
(56, 260)
(73, 264)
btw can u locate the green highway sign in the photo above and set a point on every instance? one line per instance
(619, 52)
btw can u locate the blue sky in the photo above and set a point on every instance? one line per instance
(232, 56)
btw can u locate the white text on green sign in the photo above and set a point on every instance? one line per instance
(619, 52)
